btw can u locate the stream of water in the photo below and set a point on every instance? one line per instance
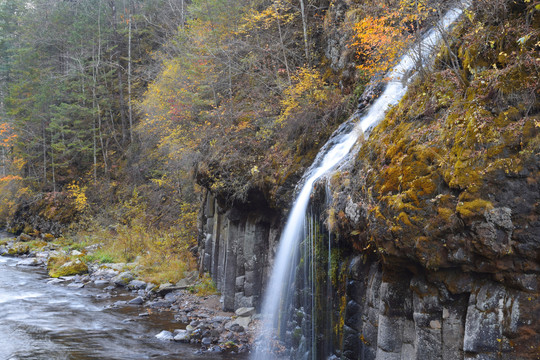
(46, 321)
(279, 303)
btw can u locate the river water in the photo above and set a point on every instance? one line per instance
(53, 321)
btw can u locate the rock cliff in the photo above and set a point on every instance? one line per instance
(438, 217)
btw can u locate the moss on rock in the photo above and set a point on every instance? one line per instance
(65, 266)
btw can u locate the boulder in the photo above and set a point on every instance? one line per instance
(123, 279)
(73, 267)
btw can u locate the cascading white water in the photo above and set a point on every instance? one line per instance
(330, 156)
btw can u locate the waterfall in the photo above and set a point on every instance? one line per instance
(295, 263)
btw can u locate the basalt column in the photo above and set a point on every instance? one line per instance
(234, 249)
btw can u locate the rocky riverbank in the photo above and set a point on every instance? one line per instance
(197, 319)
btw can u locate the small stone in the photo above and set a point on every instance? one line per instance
(137, 301)
(160, 304)
(445, 313)
(24, 237)
(206, 341)
(55, 281)
(165, 336)
(435, 324)
(182, 336)
(190, 328)
(136, 284)
(221, 319)
(243, 321)
(101, 283)
(215, 349)
(29, 262)
(150, 287)
(237, 328)
(123, 279)
(195, 323)
(245, 311)
(76, 285)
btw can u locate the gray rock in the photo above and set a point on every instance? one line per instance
(137, 301)
(150, 287)
(182, 336)
(114, 266)
(160, 304)
(24, 237)
(245, 311)
(190, 328)
(123, 279)
(56, 281)
(30, 262)
(206, 341)
(243, 321)
(184, 283)
(76, 285)
(101, 283)
(165, 336)
(136, 284)
(221, 319)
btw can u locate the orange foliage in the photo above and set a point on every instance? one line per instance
(6, 136)
(378, 42)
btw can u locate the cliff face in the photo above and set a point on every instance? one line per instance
(235, 248)
(438, 215)
(445, 196)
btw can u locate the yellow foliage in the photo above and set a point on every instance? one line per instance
(308, 89)
(278, 11)
(77, 194)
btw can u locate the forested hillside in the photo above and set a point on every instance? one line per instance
(119, 115)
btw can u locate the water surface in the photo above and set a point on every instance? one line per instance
(46, 321)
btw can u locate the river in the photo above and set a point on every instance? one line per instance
(53, 321)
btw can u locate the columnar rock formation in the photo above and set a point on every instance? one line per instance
(235, 250)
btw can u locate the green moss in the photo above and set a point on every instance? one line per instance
(37, 244)
(474, 208)
(19, 248)
(65, 266)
